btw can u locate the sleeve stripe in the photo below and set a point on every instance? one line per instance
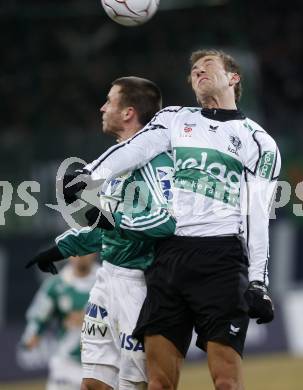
(144, 217)
(150, 185)
(155, 183)
(247, 213)
(126, 221)
(72, 232)
(151, 226)
(254, 172)
(169, 155)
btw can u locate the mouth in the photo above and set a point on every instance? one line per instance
(202, 80)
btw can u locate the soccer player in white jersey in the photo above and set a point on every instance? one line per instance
(62, 298)
(206, 277)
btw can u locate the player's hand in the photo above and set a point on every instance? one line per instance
(45, 260)
(259, 302)
(31, 343)
(103, 219)
(81, 177)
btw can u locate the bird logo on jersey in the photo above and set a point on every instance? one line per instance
(237, 144)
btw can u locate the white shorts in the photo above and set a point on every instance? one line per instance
(113, 309)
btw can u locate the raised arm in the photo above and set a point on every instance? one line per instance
(152, 140)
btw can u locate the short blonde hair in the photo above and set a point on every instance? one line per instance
(230, 65)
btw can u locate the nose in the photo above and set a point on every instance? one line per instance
(103, 108)
(200, 71)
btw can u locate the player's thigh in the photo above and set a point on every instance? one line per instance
(100, 344)
(164, 362)
(130, 294)
(225, 365)
(218, 302)
(99, 377)
(94, 384)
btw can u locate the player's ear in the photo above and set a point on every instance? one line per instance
(234, 79)
(128, 113)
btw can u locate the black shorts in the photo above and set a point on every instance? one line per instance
(197, 283)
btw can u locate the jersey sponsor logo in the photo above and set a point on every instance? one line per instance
(95, 311)
(93, 324)
(129, 343)
(187, 130)
(266, 164)
(93, 328)
(234, 330)
(209, 172)
(213, 128)
(165, 176)
(114, 185)
(237, 144)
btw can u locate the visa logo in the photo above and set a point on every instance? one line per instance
(129, 343)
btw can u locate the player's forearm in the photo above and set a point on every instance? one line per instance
(31, 334)
(155, 225)
(129, 155)
(260, 196)
(81, 242)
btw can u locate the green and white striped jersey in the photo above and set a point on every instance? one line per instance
(140, 204)
(58, 298)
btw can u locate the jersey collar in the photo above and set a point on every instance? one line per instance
(221, 115)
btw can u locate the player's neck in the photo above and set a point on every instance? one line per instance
(223, 102)
(128, 132)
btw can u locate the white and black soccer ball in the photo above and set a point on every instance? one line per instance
(130, 12)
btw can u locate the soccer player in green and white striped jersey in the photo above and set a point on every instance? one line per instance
(139, 204)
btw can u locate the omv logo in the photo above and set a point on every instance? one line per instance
(95, 311)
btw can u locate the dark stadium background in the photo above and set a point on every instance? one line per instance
(58, 59)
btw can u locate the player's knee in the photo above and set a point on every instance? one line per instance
(128, 385)
(225, 384)
(160, 383)
(93, 384)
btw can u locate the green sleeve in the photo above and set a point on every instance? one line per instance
(81, 242)
(155, 225)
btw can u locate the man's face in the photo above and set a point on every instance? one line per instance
(112, 112)
(208, 76)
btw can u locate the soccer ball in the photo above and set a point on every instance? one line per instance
(130, 12)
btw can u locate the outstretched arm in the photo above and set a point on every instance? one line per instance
(152, 140)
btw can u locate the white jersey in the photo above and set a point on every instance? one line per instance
(226, 167)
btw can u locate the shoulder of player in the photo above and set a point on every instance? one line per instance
(258, 134)
(177, 110)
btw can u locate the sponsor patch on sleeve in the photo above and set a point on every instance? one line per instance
(266, 165)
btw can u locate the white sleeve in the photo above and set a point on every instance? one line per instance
(262, 169)
(127, 156)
